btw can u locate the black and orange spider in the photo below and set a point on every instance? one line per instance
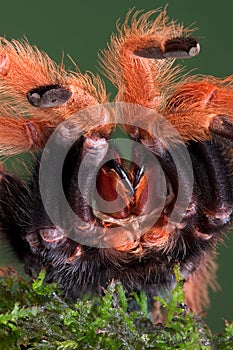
(174, 188)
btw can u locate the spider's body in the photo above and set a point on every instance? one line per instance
(139, 251)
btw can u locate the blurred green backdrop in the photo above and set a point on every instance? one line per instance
(82, 28)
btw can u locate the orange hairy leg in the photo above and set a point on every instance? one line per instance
(20, 135)
(196, 287)
(199, 109)
(23, 69)
(139, 62)
(139, 79)
(43, 92)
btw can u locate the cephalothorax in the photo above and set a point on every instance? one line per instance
(38, 98)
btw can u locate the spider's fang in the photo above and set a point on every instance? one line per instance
(123, 175)
(48, 96)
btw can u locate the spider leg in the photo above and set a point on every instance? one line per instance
(139, 59)
(19, 135)
(201, 110)
(196, 286)
(32, 85)
(215, 195)
(139, 62)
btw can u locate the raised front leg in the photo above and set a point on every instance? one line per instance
(139, 59)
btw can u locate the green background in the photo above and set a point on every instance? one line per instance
(82, 28)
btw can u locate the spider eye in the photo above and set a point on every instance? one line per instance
(48, 96)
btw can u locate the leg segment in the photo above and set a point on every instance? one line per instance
(139, 62)
(24, 68)
(201, 110)
(196, 286)
(33, 85)
(18, 135)
(128, 61)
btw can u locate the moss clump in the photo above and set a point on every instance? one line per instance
(36, 316)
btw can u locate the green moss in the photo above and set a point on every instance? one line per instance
(36, 316)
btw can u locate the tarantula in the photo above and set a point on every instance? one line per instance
(175, 187)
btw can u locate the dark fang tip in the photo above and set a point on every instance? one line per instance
(48, 96)
(122, 174)
(174, 48)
